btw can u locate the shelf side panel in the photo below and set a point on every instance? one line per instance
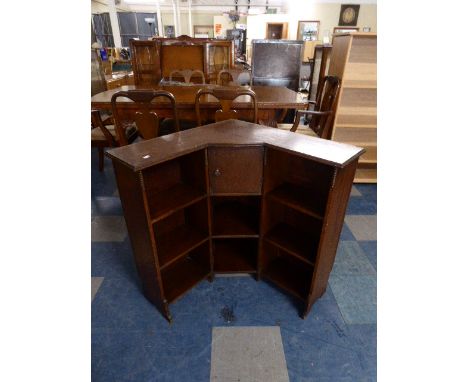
(133, 203)
(332, 225)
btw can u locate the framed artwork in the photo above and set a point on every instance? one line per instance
(203, 31)
(349, 15)
(169, 31)
(308, 30)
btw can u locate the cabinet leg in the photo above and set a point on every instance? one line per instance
(167, 313)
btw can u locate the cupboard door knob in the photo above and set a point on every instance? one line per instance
(217, 172)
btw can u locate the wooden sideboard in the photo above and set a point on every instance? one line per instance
(234, 197)
(354, 59)
(157, 58)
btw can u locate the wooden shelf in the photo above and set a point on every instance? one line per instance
(235, 219)
(235, 255)
(182, 276)
(300, 198)
(172, 199)
(177, 243)
(295, 242)
(289, 276)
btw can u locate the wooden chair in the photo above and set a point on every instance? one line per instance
(104, 135)
(234, 77)
(187, 74)
(226, 97)
(321, 118)
(146, 120)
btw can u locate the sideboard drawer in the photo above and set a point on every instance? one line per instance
(235, 170)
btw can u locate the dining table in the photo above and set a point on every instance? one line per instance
(272, 101)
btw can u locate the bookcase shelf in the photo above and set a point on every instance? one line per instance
(295, 242)
(298, 197)
(234, 197)
(183, 275)
(235, 255)
(235, 217)
(173, 199)
(287, 273)
(354, 60)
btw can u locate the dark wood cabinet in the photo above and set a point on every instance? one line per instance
(234, 197)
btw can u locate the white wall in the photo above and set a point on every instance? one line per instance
(326, 12)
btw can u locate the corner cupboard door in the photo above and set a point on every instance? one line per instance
(235, 170)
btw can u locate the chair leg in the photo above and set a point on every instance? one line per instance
(101, 158)
(295, 125)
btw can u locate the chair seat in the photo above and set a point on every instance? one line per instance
(98, 135)
(301, 129)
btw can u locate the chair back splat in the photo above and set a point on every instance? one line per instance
(226, 97)
(187, 74)
(143, 114)
(234, 77)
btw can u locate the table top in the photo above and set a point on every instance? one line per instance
(268, 97)
(141, 155)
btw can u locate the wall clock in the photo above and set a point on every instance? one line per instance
(349, 14)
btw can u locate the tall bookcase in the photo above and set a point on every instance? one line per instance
(234, 197)
(354, 59)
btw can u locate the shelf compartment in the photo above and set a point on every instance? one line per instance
(181, 232)
(235, 255)
(175, 184)
(236, 216)
(294, 241)
(300, 198)
(173, 199)
(183, 275)
(286, 272)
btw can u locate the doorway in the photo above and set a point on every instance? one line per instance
(277, 31)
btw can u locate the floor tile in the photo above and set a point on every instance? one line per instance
(361, 206)
(351, 260)
(106, 205)
(356, 297)
(113, 260)
(363, 227)
(108, 228)
(248, 354)
(369, 191)
(355, 191)
(370, 249)
(346, 234)
(95, 285)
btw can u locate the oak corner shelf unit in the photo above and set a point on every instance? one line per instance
(354, 59)
(234, 197)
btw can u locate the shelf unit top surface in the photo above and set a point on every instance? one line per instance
(141, 155)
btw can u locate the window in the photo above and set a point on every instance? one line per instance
(103, 30)
(133, 25)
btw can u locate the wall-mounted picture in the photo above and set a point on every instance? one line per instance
(203, 31)
(349, 15)
(169, 31)
(308, 30)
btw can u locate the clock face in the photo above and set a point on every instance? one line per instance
(348, 15)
